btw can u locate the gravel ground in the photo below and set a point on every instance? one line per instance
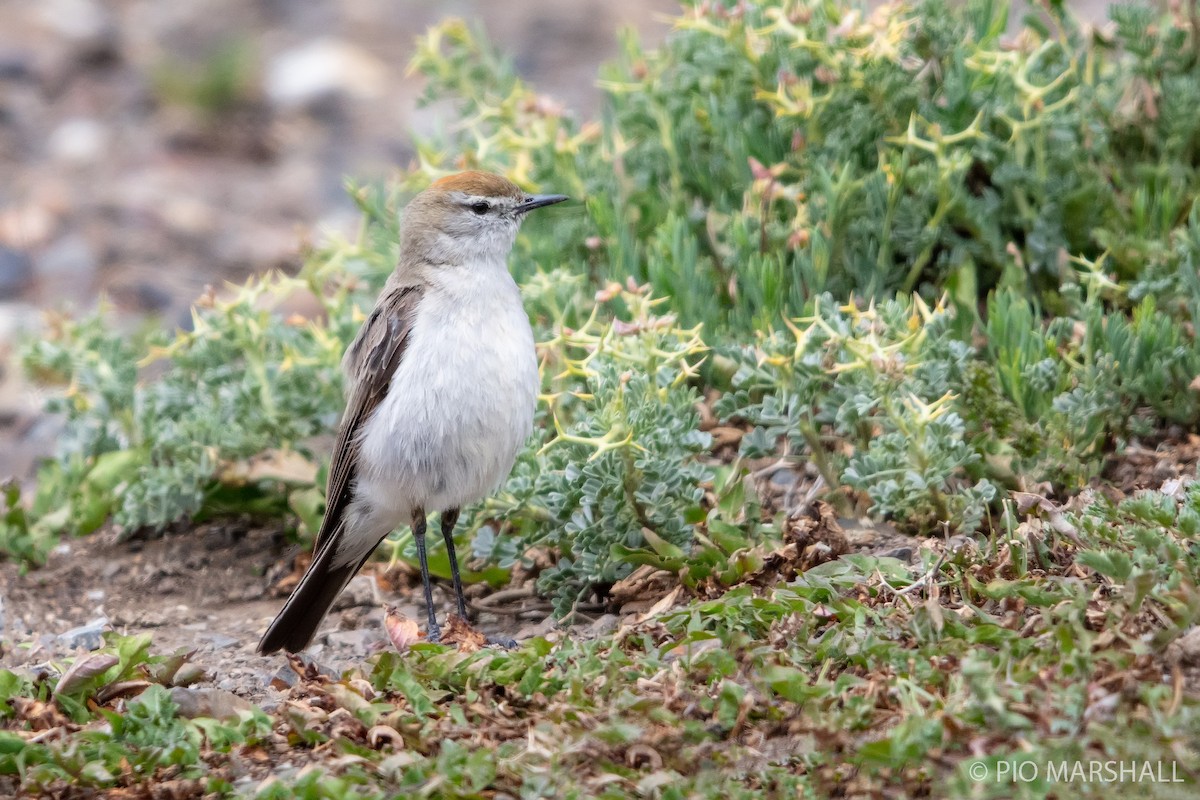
(212, 589)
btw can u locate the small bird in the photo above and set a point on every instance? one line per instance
(442, 381)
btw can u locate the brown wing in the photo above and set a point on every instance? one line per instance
(370, 364)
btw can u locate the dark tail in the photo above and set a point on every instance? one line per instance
(297, 623)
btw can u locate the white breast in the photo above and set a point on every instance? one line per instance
(461, 403)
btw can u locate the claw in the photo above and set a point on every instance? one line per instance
(508, 643)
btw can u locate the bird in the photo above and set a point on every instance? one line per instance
(441, 386)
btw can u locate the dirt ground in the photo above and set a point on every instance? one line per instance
(213, 588)
(206, 589)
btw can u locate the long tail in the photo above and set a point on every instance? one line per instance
(311, 600)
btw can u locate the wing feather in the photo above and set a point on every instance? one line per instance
(370, 363)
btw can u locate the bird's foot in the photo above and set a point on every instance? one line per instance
(468, 639)
(434, 636)
(507, 642)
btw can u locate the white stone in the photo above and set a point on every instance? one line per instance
(323, 67)
(79, 140)
(77, 20)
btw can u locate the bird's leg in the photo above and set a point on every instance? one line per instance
(449, 518)
(418, 529)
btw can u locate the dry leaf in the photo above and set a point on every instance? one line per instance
(83, 670)
(401, 631)
(459, 632)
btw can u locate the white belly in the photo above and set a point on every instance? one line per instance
(460, 405)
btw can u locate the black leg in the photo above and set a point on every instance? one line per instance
(418, 529)
(449, 518)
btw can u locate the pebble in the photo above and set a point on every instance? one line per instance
(16, 271)
(88, 636)
(315, 71)
(80, 21)
(546, 627)
(784, 478)
(904, 553)
(137, 297)
(1186, 648)
(69, 265)
(218, 703)
(219, 641)
(15, 65)
(141, 296)
(188, 215)
(358, 640)
(958, 543)
(78, 141)
(859, 536)
(604, 625)
(361, 591)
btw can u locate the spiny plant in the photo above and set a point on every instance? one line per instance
(937, 263)
(766, 153)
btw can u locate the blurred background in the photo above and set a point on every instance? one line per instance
(150, 148)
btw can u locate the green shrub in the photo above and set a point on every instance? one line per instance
(937, 263)
(619, 471)
(767, 153)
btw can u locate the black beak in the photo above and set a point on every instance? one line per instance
(538, 200)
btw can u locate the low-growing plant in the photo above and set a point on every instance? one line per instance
(766, 153)
(938, 264)
(619, 469)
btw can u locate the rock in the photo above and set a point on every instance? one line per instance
(361, 591)
(86, 636)
(140, 296)
(284, 678)
(30, 224)
(784, 478)
(78, 141)
(77, 20)
(358, 640)
(961, 544)
(859, 537)
(1186, 649)
(219, 641)
(320, 69)
(68, 262)
(188, 215)
(903, 553)
(16, 271)
(15, 65)
(207, 702)
(88, 26)
(151, 297)
(604, 625)
(548, 626)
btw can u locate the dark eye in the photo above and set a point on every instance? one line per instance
(480, 208)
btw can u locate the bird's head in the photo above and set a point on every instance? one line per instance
(467, 218)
